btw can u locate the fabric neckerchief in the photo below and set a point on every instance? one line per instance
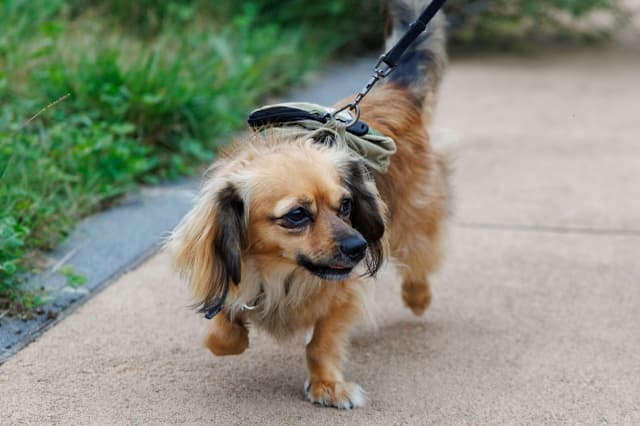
(312, 123)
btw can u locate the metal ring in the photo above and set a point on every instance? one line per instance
(248, 308)
(351, 107)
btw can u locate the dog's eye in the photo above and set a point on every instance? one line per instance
(345, 208)
(296, 218)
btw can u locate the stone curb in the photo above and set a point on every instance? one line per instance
(101, 248)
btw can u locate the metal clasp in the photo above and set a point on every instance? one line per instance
(352, 106)
(380, 71)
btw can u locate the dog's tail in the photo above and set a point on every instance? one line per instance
(421, 67)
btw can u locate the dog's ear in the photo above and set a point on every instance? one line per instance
(207, 245)
(367, 212)
(230, 233)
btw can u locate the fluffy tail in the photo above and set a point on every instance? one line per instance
(421, 67)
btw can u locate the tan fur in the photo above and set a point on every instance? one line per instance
(259, 180)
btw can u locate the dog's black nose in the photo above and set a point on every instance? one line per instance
(353, 247)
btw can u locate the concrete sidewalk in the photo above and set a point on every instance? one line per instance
(535, 317)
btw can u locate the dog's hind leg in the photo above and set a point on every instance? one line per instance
(418, 226)
(418, 254)
(420, 260)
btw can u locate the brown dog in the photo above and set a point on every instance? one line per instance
(292, 223)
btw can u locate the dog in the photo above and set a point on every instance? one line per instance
(289, 231)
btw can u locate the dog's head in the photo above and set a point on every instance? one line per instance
(297, 205)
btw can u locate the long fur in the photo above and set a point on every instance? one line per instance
(238, 235)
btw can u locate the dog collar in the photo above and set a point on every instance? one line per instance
(324, 125)
(214, 307)
(288, 113)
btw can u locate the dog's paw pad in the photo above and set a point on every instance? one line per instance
(340, 395)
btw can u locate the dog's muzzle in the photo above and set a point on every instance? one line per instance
(350, 252)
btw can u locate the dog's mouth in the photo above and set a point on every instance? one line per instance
(332, 272)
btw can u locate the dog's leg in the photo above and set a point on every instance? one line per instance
(226, 337)
(416, 294)
(325, 355)
(419, 257)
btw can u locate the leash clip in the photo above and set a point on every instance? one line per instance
(381, 70)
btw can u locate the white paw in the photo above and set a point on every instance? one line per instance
(340, 395)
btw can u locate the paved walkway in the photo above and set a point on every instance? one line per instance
(535, 317)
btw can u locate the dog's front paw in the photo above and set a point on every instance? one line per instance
(226, 338)
(335, 394)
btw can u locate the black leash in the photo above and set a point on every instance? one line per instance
(388, 61)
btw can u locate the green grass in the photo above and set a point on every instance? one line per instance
(151, 88)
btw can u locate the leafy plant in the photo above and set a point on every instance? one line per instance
(74, 280)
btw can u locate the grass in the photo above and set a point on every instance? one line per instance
(150, 89)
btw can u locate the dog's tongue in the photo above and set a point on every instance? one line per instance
(339, 267)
